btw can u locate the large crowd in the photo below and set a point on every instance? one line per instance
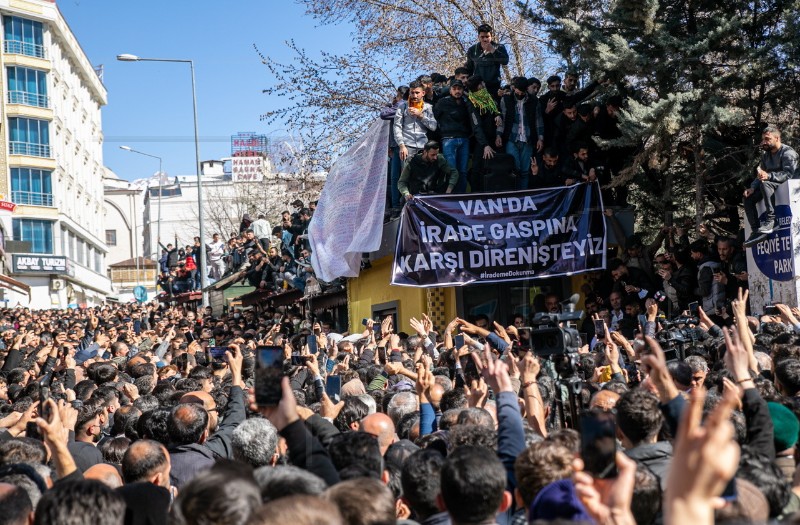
(267, 258)
(470, 132)
(667, 402)
(132, 414)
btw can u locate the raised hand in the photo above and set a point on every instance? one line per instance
(705, 458)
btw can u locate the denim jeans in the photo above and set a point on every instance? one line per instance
(395, 167)
(521, 151)
(456, 151)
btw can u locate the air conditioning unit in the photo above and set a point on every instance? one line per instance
(57, 284)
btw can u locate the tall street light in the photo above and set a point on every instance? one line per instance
(204, 269)
(160, 174)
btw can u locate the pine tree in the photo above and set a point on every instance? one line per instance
(703, 78)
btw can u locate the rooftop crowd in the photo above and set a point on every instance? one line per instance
(147, 414)
(267, 258)
(450, 133)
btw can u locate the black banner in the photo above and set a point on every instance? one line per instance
(453, 240)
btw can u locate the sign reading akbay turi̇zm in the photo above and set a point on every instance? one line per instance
(39, 264)
(453, 240)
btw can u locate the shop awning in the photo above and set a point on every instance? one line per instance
(329, 300)
(14, 285)
(227, 282)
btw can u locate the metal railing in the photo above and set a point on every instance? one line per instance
(32, 198)
(30, 149)
(24, 48)
(28, 99)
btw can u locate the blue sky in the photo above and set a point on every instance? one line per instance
(149, 104)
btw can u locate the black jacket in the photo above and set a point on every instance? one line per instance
(656, 457)
(458, 120)
(561, 98)
(487, 65)
(220, 441)
(452, 117)
(306, 452)
(422, 177)
(533, 113)
(548, 178)
(188, 461)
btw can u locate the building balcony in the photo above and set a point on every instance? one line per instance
(18, 47)
(32, 198)
(30, 149)
(28, 99)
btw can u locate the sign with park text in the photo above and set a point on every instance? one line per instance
(454, 240)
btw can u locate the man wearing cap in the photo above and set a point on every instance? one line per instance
(522, 128)
(456, 120)
(785, 431)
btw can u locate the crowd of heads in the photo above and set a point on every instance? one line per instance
(148, 414)
(268, 258)
(534, 135)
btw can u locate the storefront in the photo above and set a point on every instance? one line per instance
(371, 295)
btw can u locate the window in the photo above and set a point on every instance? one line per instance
(27, 86)
(23, 36)
(31, 186)
(111, 237)
(38, 233)
(80, 248)
(29, 136)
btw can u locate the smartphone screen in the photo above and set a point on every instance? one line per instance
(333, 387)
(642, 320)
(312, 344)
(458, 341)
(297, 360)
(771, 310)
(599, 328)
(599, 444)
(218, 353)
(269, 371)
(212, 342)
(693, 308)
(382, 354)
(44, 408)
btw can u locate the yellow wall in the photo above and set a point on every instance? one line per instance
(372, 287)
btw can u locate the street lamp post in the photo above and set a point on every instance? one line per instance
(200, 212)
(160, 162)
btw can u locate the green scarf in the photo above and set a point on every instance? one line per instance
(483, 101)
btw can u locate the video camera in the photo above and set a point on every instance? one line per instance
(550, 338)
(677, 336)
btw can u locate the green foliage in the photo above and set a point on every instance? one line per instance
(703, 78)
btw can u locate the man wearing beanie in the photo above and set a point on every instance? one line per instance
(785, 435)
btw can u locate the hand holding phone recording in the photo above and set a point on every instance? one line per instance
(269, 372)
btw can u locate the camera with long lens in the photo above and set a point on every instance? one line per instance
(677, 337)
(549, 338)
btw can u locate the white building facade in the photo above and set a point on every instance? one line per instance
(225, 201)
(51, 162)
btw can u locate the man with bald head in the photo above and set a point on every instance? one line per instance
(146, 461)
(104, 473)
(188, 430)
(220, 435)
(381, 426)
(605, 400)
